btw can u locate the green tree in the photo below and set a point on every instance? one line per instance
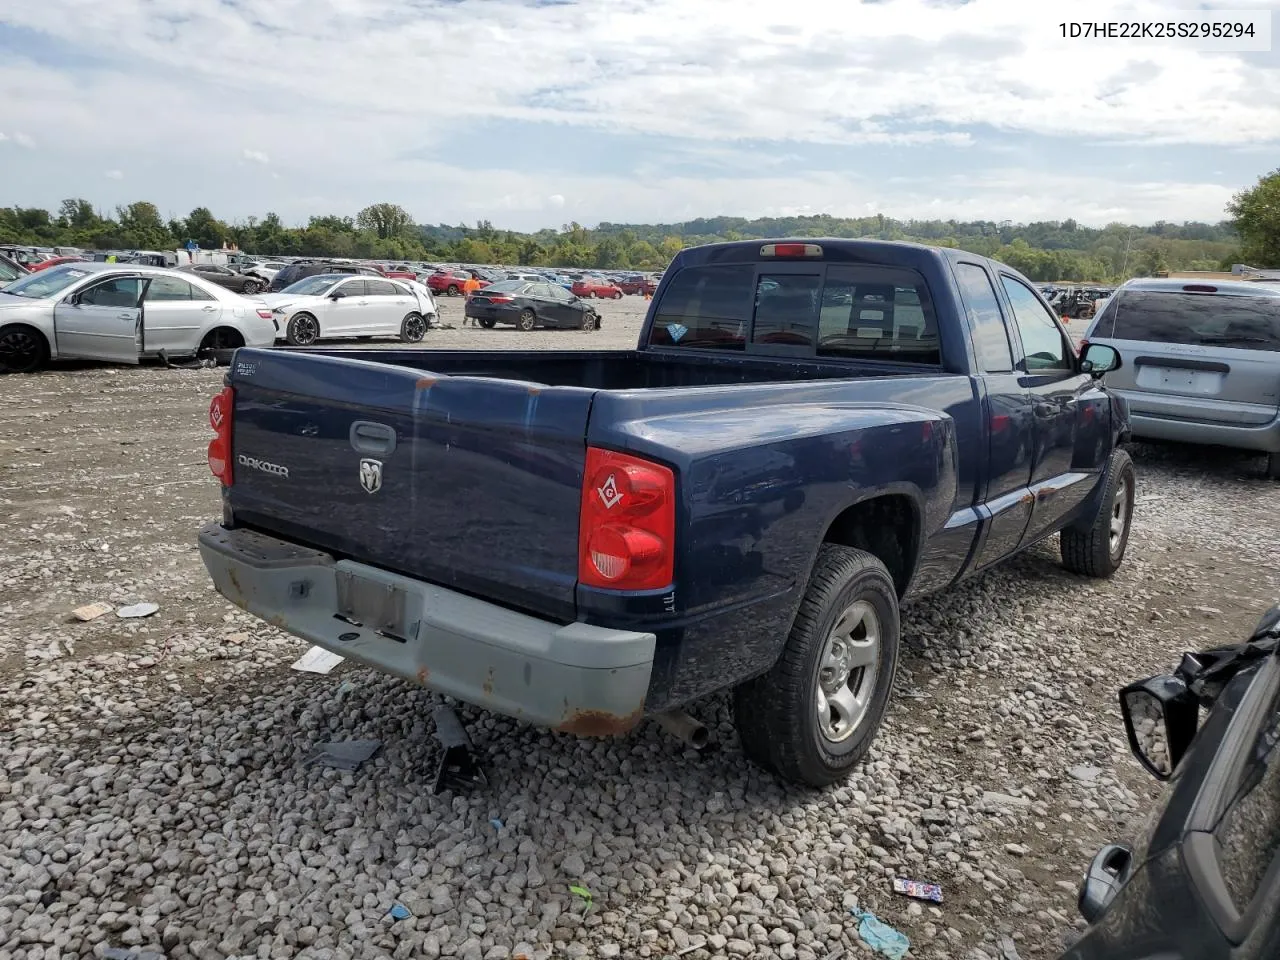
(384, 219)
(77, 214)
(202, 227)
(142, 228)
(1255, 216)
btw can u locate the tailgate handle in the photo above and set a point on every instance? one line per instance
(372, 438)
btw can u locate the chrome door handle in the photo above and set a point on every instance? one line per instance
(125, 316)
(209, 309)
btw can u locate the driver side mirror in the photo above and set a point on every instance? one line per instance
(1160, 719)
(337, 295)
(1099, 358)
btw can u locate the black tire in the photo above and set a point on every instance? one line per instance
(1088, 547)
(413, 328)
(528, 319)
(487, 322)
(250, 288)
(23, 349)
(303, 330)
(1273, 467)
(617, 295)
(777, 714)
(452, 290)
(590, 321)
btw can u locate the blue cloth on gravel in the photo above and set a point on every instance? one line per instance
(880, 936)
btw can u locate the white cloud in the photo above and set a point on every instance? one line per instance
(24, 140)
(902, 75)
(3, 136)
(114, 175)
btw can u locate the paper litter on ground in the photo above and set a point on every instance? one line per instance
(318, 660)
(91, 611)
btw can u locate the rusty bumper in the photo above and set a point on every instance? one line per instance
(578, 678)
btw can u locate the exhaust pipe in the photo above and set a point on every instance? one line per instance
(684, 727)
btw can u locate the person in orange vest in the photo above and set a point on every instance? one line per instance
(469, 286)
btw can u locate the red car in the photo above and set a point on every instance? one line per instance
(595, 287)
(451, 282)
(397, 273)
(642, 286)
(53, 262)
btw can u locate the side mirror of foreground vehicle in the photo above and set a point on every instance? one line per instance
(1160, 718)
(1099, 358)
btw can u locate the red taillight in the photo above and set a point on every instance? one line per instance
(264, 313)
(221, 411)
(791, 250)
(500, 299)
(627, 525)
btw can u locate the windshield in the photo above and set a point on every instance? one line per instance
(316, 285)
(1197, 319)
(507, 286)
(46, 283)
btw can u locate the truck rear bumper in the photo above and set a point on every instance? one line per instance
(575, 677)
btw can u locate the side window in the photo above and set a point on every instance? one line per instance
(878, 313)
(786, 309)
(381, 288)
(116, 292)
(1042, 341)
(164, 289)
(541, 290)
(706, 307)
(990, 338)
(354, 288)
(198, 294)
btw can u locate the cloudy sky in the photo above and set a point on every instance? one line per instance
(532, 113)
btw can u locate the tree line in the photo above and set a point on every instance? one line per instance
(1047, 250)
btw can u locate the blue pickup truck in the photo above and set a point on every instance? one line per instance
(809, 433)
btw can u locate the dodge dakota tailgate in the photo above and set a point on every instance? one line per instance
(468, 482)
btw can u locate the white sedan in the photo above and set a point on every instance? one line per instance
(342, 305)
(122, 313)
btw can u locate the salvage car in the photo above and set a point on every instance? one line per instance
(122, 313)
(1205, 362)
(340, 305)
(1202, 881)
(527, 305)
(596, 287)
(807, 433)
(237, 280)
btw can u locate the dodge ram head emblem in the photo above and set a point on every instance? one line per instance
(371, 475)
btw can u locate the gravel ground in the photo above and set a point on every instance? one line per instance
(153, 792)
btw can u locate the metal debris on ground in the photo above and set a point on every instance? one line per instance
(917, 889)
(317, 660)
(345, 754)
(458, 767)
(137, 610)
(1008, 951)
(881, 937)
(91, 611)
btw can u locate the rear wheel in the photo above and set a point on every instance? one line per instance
(303, 330)
(251, 288)
(23, 349)
(1096, 548)
(617, 295)
(812, 718)
(487, 322)
(527, 319)
(452, 290)
(413, 328)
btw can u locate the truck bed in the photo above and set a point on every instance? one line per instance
(480, 486)
(613, 369)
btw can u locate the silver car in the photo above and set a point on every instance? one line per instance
(1201, 361)
(122, 313)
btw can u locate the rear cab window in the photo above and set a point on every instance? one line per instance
(820, 310)
(1193, 319)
